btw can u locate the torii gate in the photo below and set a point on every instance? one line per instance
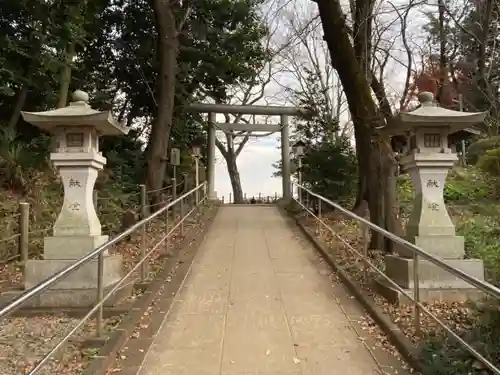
(283, 111)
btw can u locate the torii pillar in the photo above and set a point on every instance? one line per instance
(211, 156)
(285, 158)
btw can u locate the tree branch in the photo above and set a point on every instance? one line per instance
(242, 144)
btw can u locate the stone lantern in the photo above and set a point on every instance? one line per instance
(427, 159)
(77, 230)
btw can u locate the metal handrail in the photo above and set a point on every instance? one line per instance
(99, 253)
(481, 285)
(44, 285)
(417, 251)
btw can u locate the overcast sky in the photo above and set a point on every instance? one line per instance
(255, 166)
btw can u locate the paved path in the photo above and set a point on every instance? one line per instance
(255, 302)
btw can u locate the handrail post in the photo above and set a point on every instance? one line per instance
(416, 293)
(24, 224)
(185, 182)
(182, 217)
(364, 244)
(100, 293)
(174, 196)
(319, 216)
(306, 202)
(197, 180)
(166, 230)
(143, 231)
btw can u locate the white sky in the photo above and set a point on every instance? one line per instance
(256, 160)
(255, 167)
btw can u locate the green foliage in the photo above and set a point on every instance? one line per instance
(330, 169)
(480, 147)
(404, 191)
(489, 162)
(19, 160)
(125, 158)
(116, 61)
(329, 164)
(222, 45)
(467, 185)
(442, 355)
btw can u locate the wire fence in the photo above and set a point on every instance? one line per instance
(315, 205)
(24, 236)
(252, 199)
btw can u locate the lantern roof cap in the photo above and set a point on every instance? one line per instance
(430, 115)
(77, 113)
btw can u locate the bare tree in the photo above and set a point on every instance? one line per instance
(308, 55)
(257, 90)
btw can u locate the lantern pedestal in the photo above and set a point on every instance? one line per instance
(428, 161)
(78, 173)
(430, 226)
(76, 232)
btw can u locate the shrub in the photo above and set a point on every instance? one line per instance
(444, 356)
(330, 169)
(480, 147)
(490, 162)
(19, 160)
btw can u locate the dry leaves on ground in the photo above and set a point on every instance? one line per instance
(345, 236)
(26, 340)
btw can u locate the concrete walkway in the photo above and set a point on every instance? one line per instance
(255, 302)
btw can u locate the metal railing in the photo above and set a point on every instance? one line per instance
(25, 228)
(303, 198)
(196, 195)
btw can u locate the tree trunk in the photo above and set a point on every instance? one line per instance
(442, 52)
(365, 113)
(376, 197)
(66, 76)
(18, 107)
(230, 155)
(161, 127)
(23, 92)
(234, 176)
